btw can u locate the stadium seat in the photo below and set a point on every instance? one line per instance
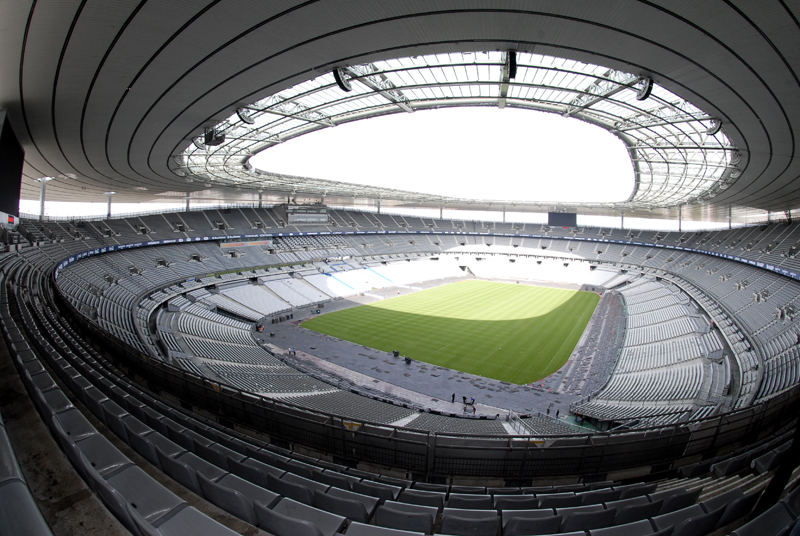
(599, 519)
(360, 529)
(523, 526)
(467, 526)
(404, 520)
(516, 502)
(636, 512)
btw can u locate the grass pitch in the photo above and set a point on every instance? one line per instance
(508, 332)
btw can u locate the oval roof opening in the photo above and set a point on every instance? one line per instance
(467, 152)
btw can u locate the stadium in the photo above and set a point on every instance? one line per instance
(293, 355)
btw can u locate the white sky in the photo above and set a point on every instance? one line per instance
(483, 153)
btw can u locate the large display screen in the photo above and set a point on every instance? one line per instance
(562, 219)
(306, 214)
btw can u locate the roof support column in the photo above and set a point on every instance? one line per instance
(729, 217)
(187, 203)
(108, 205)
(379, 206)
(680, 217)
(441, 211)
(504, 214)
(42, 192)
(260, 199)
(621, 220)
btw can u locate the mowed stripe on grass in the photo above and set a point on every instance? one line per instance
(513, 333)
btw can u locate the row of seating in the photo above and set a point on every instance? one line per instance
(135, 498)
(19, 514)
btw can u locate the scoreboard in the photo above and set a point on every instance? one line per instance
(293, 214)
(7, 221)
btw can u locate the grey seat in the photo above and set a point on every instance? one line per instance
(19, 514)
(370, 503)
(101, 454)
(792, 502)
(360, 529)
(300, 468)
(698, 525)
(75, 424)
(737, 509)
(397, 519)
(537, 489)
(303, 481)
(9, 469)
(575, 521)
(399, 482)
(674, 519)
(774, 522)
(248, 472)
(230, 500)
(467, 526)
(424, 486)
(140, 494)
(666, 493)
(680, 501)
(470, 514)
(42, 381)
(637, 512)
(516, 502)
(263, 467)
(723, 499)
(327, 523)
(559, 500)
(179, 434)
(424, 498)
(468, 489)
(636, 490)
(113, 414)
(156, 421)
(94, 401)
(152, 500)
(637, 528)
(622, 503)
(147, 443)
(474, 502)
(217, 454)
(54, 401)
(412, 508)
(333, 478)
(519, 526)
(348, 508)
(288, 489)
(770, 460)
(186, 522)
(504, 491)
(600, 496)
(508, 515)
(383, 492)
(184, 468)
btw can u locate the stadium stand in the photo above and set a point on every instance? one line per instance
(285, 491)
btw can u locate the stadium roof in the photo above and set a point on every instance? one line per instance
(113, 97)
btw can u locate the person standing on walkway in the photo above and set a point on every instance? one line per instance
(454, 398)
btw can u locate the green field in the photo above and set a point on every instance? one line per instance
(513, 333)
